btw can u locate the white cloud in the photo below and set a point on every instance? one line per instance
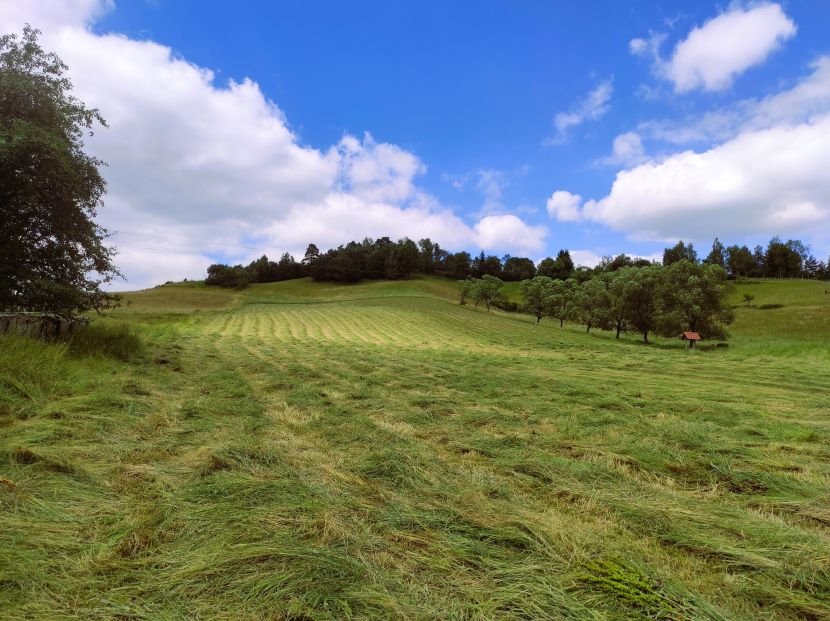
(491, 184)
(146, 267)
(807, 100)
(591, 108)
(762, 171)
(501, 233)
(724, 47)
(564, 206)
(714, 54)
(49, 15)
(648, 47)
(765, 181)
(206, 170)
(627, 151)
(585, 258)
(377, 172)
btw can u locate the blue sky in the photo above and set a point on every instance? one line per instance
(514, 127)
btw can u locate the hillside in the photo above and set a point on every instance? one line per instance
(300, 450)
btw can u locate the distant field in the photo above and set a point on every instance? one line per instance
(310, 451)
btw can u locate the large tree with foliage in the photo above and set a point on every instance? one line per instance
(740, 261)
(717, 256)
(487, 290)
(784, 259)
(231, 277)
(518, 268)
(535, 294)
(679, 252)
(615, 300)
(694, 298)
(560, 268)
(53, 255)
(641, 286)
(561, 302)
(592, 303)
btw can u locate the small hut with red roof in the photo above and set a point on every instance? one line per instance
(691, 337)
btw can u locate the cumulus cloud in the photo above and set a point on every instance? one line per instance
(806, 100)
(207, 170)
(564, 206)
(714, 54)
(585, 258)
(500, 233)
(761, 171)
(591, 108)
(51, 14)
(627, 150)
(377, 172)
(766, 181)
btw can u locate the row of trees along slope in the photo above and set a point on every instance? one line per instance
(386, 259)
(652, 299)
(52, 254)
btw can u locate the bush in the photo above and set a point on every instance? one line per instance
(506, 305)
(770, 306)
(112, 341)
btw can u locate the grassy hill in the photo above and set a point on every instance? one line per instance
(309, 451)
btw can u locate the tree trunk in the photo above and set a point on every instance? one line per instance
(561, 321)
(538, 318)
(619, 328)
(645, 337)
(588, 329)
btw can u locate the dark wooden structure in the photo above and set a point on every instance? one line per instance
(39, 325)
(691, 337)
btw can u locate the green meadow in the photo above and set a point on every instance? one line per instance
(301, 451)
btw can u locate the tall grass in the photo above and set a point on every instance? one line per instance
(29, 369)
(101, 339)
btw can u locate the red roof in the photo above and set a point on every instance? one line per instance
(690, 336)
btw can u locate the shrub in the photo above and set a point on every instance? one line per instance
(506, 305)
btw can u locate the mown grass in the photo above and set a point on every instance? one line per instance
(303, 451)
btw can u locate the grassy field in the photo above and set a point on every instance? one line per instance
(308, 451)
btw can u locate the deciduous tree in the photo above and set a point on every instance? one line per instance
(53, 255)
(562, 299)
(487, 290)
(693, 297)
(641, 287)
(679, 252)
(592, 303)
(535, 294)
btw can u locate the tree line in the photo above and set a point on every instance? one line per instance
(384, 258)
(653, 299)
(780, 259)
(647, 299)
